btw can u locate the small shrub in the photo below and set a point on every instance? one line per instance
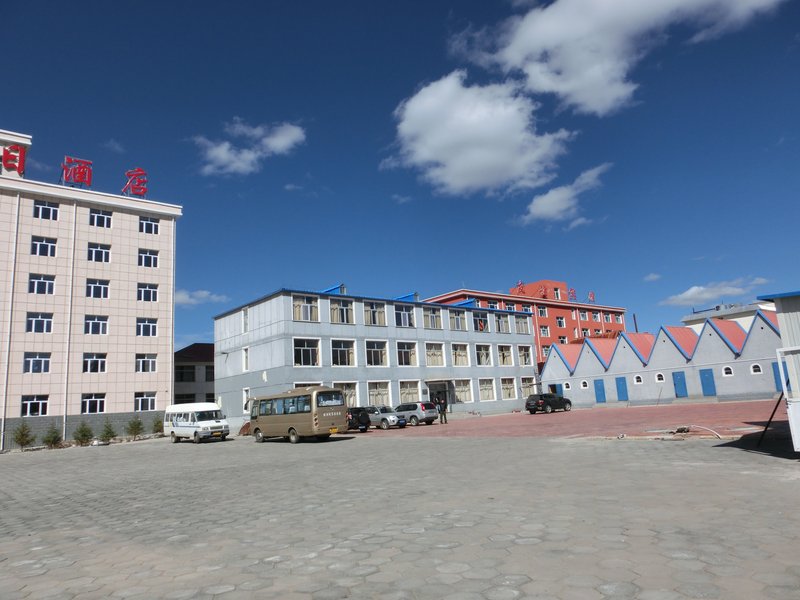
(158, 425)
(134, 428)
(23, 436)
(83, 434)
(52, 437)
(108, 433)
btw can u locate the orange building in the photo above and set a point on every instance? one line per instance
(558, 316)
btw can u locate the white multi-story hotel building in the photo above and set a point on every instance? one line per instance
(86, 309)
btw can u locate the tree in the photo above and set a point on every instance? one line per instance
(52, 437)
(158, 425)
(108, 432)
(134, 428)
(23, 436)
(83, 434)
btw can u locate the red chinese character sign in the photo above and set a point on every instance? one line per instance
(591, 296)
(76, 171)
(572, 295)
(542, 292)
(14, 158)
(520, 288)
(137, 182)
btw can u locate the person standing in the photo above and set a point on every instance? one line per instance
(442, 403)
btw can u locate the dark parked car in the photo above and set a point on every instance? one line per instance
(547, 403)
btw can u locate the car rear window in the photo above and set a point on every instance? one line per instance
(428, 406)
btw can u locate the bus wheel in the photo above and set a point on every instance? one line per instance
(196, 439)
(173, 438)
(259, 436)
(293, 436)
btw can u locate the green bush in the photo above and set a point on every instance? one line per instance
(83, 434)
(158, 425)
(23, 436)
(134, 428)
(108, 432)
(52, 437)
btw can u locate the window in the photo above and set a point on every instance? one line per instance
(584, 385)
(434, 355)
(342, 311)
(542, 310)
(245, 320)
(93, 404)
(492, 304)
(526, 308)
(146, 401)
(375, 313)
(567, 385)
(522, 325)
(43, 246)
(97, 288)
(376, 354)
(463, 390)
(146, 363)
(659, 378)
(618, 319)
(557, 293)
(585, 331)
(148, 258)
(407, 354)
(148, 225)
(501, 324)
(378, 393)
(306, 353)
(637, 380)
(458, 320)
(504, 356)
(94, 362)
(483, 355)
(524, 353)
(99, 218)
(584, 315)
(432, 318)
(727, 371)
(507, 388)
(409, 392)
(460, 355)
(528, 386)
(486, 389)
(209, 397)
(34, 406)
(47, 211)
(572, 314)
(596, 316)
(245, 359)
(99, 252)
(404, 315)
(545, 351)
(755, 369)
(480, 321)
(597, 332)
(41, 284)
(146, 327)
(305, 308)
(184, 398)
(36, 362)
(147, 292)
(95, 325)
(511, 306)
(348, 391)
(562, 339)
(561, 322)
(343, 353)
(39, 323)
(544, 331)
(607, 317)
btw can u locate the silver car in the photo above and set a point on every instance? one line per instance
(384, 417)
(418, 412)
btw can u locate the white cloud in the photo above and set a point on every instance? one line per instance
(292, 187)
(584, 50)
(651, 277)
(469, 139)
(114, 146)
(192, 298)
(262, 141)
(713, 292)
(401, 199)
(561, 203)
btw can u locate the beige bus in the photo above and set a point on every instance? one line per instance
(302, 412)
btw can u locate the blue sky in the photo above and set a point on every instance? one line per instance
(645, 151)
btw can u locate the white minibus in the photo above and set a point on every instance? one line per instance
(196, 421)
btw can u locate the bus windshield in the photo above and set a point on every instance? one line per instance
(330, 399)
(208, 415)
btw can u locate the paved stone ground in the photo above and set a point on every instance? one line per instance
(395, 517)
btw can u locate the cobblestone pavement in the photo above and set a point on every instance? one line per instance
(386, 516)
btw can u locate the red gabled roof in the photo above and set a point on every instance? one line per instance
(604, 347)
(772, 317)
(685, 337)
(570, 353)
(732, 332)
(643, 343)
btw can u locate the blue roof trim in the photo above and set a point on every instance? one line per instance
(723, 337)
(774, 296)
(471, 303)
(633, 347)
(763, 317)
(565, 362)
(336, 289)
(588, 342)
(407, 298)
(674, 343)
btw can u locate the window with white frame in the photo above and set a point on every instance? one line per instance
(341, 311)
(511, 306)
(375, 313)
(43, 246)
(34, 406)
(504, 355)
(486, 387)
(245, 319)
(463, 390)
(376, 353)
(545, 351)
(99, 218)
(597, 332)
(561, 322)
(432, 317)
(542, 311)
(584, 315)
(557, 293)
(95, 325)
(97, 288)
(460, 355)
(492, 304)
(434, 355)
(483, 355)
(146, 327)
(245, 359)
(343, 353)
(544, 330)
(618, 318)
(146, 401)
(573, 314)
(596, 316)
(607, 317)
(585, 331)
(185, 373)
(146, 363)
(727, 371)
(47, 211)
(148, 258)
(567, 385)
(522, 325)
(407, 354)
(93, 404)
(528, 386)
(755, 369)
(147, 292)
(458, 320)
(99, 252)
(378, 393)
(637, 380)
(659, 378)
(348, 390)
(404, 315)
(480, 321)
(148, 225)
(41, 284)
(94, 362)
(527, 308)
(501, 324)
(36, 322)
(584, 384)
(507, 389)
(524, 353)
(305, 308)
(36, 362)
(562, 339)
(306, 352)
(409, 391)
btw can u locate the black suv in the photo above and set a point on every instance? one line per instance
(546, 403)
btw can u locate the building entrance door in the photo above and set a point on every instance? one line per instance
(622, 389)
(679, 381)
(707, 382)
(599, 391)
